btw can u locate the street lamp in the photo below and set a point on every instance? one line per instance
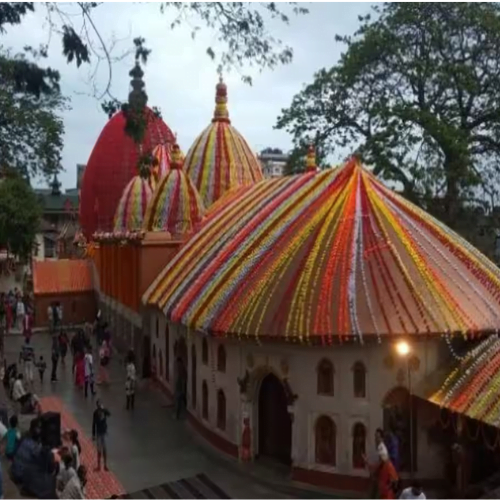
(403, 349)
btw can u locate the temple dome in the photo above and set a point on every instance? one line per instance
(220, 158)
(112, 164)
(132, 206)
(324, 256)
(176, 205)
(162, 154)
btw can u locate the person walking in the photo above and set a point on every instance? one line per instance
(89, 373)
(63, 346)
(99, 432)
(42, 366)
(103, 363)
(27, 356)
(131, 381)
(55, 358)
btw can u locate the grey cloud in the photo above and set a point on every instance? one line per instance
(180, 78)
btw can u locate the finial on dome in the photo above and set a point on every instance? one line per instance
(137, 97)
(221, 114)
(176, 160)
(311, 159)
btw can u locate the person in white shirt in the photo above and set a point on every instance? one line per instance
(75, 488)
(27, 400)
(89, 373)
(413, 492)
(66, 473)
(20, 312)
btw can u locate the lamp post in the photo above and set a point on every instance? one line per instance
(403, 349)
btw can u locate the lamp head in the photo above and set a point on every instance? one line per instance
(403, 348)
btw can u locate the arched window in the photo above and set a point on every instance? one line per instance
(167, 353)
(359, 379)
(160, 363)
(204, 400)
(325, 377)
(325, 433)
(221, 410)
(204, 351)
(221, 359)
(193, 375)
(358, 446)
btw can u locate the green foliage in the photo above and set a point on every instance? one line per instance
(20, 214)
(416, 95)
(31, 132)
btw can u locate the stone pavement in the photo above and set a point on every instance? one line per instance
(146, 447)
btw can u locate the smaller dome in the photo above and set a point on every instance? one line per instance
(176, 205)
(130, 212)
(220, 159)
(163, 155)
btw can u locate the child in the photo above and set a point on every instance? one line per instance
(12, 438)
(76, 448)
(42, 366)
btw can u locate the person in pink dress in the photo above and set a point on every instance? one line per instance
(79, 369)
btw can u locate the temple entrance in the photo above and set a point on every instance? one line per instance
(275, 424)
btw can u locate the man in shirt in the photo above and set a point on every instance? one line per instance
(74, 488)
(27, 356)
(99, 431)
(89, 372)
(27, 401)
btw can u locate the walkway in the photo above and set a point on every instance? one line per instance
(147, 447)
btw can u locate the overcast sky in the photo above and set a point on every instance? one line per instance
(180, 78)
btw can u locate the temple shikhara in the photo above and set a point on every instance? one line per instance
(309, 310)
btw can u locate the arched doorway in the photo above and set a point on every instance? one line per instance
(275, 424)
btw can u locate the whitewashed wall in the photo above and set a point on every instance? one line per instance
(301, 363)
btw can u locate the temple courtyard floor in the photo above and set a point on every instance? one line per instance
(150, 453)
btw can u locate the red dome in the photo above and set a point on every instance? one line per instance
(112, 163)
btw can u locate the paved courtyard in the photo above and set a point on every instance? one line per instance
(147, 447)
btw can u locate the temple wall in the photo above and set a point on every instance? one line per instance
(385, 371)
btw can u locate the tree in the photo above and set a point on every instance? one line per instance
(416, 95)
(240, 29)
(31, 130)
(20, 213)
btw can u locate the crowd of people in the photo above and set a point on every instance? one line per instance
(16, 311)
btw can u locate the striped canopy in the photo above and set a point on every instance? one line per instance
(327, 255)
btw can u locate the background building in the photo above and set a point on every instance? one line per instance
(273, 162)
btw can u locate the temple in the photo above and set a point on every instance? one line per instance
(309, 310)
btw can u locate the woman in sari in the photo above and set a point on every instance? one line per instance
(79, 369)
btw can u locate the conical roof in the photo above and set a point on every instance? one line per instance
(220, 158)
(176, 206)
(132, 205)
(326, 255)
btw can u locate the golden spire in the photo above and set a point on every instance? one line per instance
(176, 159)
(311, 159)
(221, 114)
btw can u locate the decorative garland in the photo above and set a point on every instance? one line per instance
(115, 237)
(328, 246)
